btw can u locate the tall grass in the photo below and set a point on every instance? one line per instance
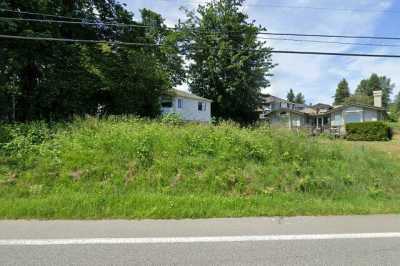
(128, 167)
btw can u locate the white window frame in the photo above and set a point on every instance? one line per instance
(180, 103)
(201, 105)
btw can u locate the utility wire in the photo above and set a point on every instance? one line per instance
(173, 28)
(319, 8)
(3, 36)
(155, 45)
(74, 22)
(330, 42)
(37, 14)
(337, 54)
(330, 36)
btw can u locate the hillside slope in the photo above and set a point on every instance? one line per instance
(132, 168)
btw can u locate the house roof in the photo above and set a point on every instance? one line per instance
(322, 106)
(188, 95)
(340, 107)
(288, 111)
(337, 108)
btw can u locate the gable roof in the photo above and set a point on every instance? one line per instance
(322, 106)
(287, 110)
(341, 107)
(188, 95)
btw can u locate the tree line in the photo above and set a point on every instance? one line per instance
(364, 91)
(295, 98)
(214, 49)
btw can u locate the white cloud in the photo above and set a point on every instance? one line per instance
(317, 76)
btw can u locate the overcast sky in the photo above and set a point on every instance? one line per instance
(315, 76)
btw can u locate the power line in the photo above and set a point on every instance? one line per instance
(336, 54)
(74, 22)
(330, 42)
(74, 40)
(330, 36)
(37, 14)
(318, 8)
(155, 45)
(97, 23)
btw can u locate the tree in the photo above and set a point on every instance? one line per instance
(387, 87)
(374, 83)
(56, 80)
(342, 92)
(46, 77)
(299, 98)
(227, 62)
(136, 79)
(290, 96)
(360, 99)
(397, 103)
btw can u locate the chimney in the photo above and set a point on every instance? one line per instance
(378, 98)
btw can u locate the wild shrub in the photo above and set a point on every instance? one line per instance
(172, 119)
(368, 131)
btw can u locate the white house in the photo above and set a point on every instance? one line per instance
(189, 106)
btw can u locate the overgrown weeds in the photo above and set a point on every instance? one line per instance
(118, 157)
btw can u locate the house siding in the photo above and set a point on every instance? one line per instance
(287, 119)
(189, 110)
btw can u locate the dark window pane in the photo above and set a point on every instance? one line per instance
(166, 104)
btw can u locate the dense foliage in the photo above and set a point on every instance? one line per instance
(56, 80)
(396, 104)
(299, 98)
(118, 166)
(365, 91)
(376, 83)
(342, 92)
(368, 131)
(227, 63)
(290, 96)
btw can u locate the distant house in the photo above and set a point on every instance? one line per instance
(320, 117)
(189, 106)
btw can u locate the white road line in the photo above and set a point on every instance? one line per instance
(173, 240)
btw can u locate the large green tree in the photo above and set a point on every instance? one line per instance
(342, 92)
(42, 80)
(227, 63)
(290, 96)
(135, 79)
(375, 83)
(56, 80)
(299, 98)
(397, 103)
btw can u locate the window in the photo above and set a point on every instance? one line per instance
(166, 104)
(180, 103)
(200, 106)
(353, 117)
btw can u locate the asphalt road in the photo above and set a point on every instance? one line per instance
(359, 240)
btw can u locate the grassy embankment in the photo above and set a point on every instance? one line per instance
(128, 168)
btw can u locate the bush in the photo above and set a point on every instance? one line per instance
(172, 119)
(368, 131)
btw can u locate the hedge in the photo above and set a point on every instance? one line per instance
(368, 131)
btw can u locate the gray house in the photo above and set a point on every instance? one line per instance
(320, 117)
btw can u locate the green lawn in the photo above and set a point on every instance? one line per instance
(132, 168)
